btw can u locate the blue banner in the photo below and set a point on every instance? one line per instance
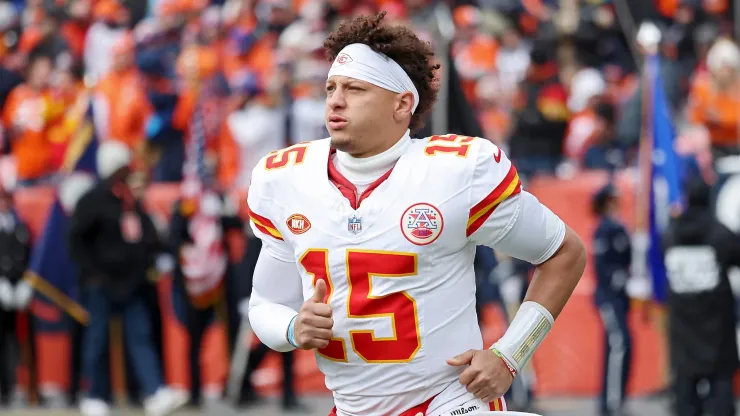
(666, 195)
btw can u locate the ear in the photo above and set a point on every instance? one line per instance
(404, 104)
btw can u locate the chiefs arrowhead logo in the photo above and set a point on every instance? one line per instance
(298, 224)
(342, 59)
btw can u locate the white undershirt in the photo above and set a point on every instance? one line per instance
(362, 172)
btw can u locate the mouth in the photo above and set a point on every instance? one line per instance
(336, 122)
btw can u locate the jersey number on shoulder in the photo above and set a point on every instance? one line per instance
(362, 266)
(281, 158)
(449, 143)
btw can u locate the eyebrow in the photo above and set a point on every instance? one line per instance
(349, 81)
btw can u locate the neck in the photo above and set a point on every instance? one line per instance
(365, 170)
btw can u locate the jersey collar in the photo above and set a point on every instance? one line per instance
(347, 189)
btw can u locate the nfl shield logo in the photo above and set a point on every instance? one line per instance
(354, 225)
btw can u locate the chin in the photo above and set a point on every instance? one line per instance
(341, 142)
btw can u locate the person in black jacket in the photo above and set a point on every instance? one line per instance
(612, 258)
(15, 294)
(698, 252)
(114, 242)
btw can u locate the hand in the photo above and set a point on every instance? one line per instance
(6, 294)
(165, 263)
(23, 295)
(312, 327)
(639, 287)
(244, 308)
(487, 377)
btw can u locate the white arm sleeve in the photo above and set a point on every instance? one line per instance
(506, 218)
(277, 295)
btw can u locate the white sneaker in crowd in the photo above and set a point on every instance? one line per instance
(94, 407)
(211, 393)
(165, 401)
(53, 397)
(18, 400)
(210, 399)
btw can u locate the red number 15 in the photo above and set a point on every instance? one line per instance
(362, 266)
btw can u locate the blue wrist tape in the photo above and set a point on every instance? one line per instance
(291, 335)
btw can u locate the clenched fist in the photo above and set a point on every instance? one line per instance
(312, 327)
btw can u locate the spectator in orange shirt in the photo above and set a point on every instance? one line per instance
(70, 100)
(121, 105)
(474, 51)
(26, 124)
(714, 101)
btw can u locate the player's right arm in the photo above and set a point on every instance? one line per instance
(276, 285)
(276, 298)
(277, 313)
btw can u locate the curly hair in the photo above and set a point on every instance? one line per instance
(398, 43)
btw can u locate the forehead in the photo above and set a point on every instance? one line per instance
(341, 79)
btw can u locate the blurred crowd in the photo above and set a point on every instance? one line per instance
(556, 83)
(197, 91)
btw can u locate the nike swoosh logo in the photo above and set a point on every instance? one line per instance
(497, 155)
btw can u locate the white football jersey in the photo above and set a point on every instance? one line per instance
(399, 267)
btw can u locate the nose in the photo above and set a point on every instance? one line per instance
(336, 100)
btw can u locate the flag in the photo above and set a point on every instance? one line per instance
(203, 262)
(205, 125)
(51, 272)
(198, 142)
(665, 185)
(82, 148)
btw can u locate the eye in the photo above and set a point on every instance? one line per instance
(329, 88)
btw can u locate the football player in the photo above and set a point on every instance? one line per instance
(369, 238)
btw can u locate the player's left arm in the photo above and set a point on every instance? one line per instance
(507, 218)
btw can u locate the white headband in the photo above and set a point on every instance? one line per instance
(359, 61)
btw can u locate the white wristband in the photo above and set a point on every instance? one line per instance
(526, 332)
